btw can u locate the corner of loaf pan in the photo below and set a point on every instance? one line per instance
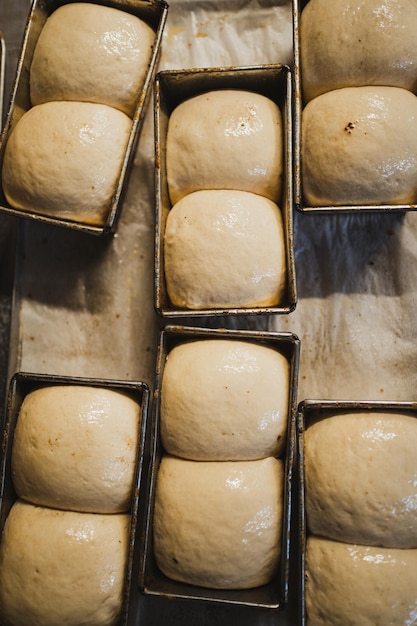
(152, 15)
(174, 87)
(137, 392)
(326, 206)
(311, 411)
(152, 581)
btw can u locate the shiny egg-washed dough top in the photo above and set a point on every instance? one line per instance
(62, 567)
(225, 139)
(356, 585)
(92, 53)
(224, 248)
(224, 400)
(359, 146)
(218, 524)
(75, 447)
(361, 478)
(347, 43)
(64, 159)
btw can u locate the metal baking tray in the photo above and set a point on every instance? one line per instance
(154, 12)
(23, 383)
(151, 581)
(2, 74)
(309, 411)
(175, 86)
(297, 7)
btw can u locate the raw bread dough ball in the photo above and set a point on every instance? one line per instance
(348, 43)
(224, 400)
(361, 478)
(63, 159)
(75, 447)
(226, 139)
(353, 585)
(224, 248)
(62, 567)
(359, 146)
(91, 53)
(219, 525)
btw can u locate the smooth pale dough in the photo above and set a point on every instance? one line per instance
(348, 43)
(218, 525)
(354, 585)
(359, 146)
(62, 567)
(91, 53)
(361, 478)
(63, 159)
(224, 400)
(225, 139)
(224, 248)
(75, 447)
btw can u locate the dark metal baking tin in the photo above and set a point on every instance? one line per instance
(310, 411)
(154, 12)
(23, 383)
(297, 7)
(151, 580)
(173, 87)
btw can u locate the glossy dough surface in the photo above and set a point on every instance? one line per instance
(359, 146)
(63, 159)
(354, 585)
(60, 567)
(361, 478)
(218, 525)
(224, 400)
(91, 53)
(345, 43)
(75, 447)
(224, 248)
(226, 139)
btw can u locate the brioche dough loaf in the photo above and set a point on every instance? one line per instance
(91, 53)
(351, 43)
(218, 525)
(225, 139)
(224, 248)
(353, 585)
(75, 447)
(63, 159)
(359, 146)
(361, 478)
(60, 567)
(224, 400)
